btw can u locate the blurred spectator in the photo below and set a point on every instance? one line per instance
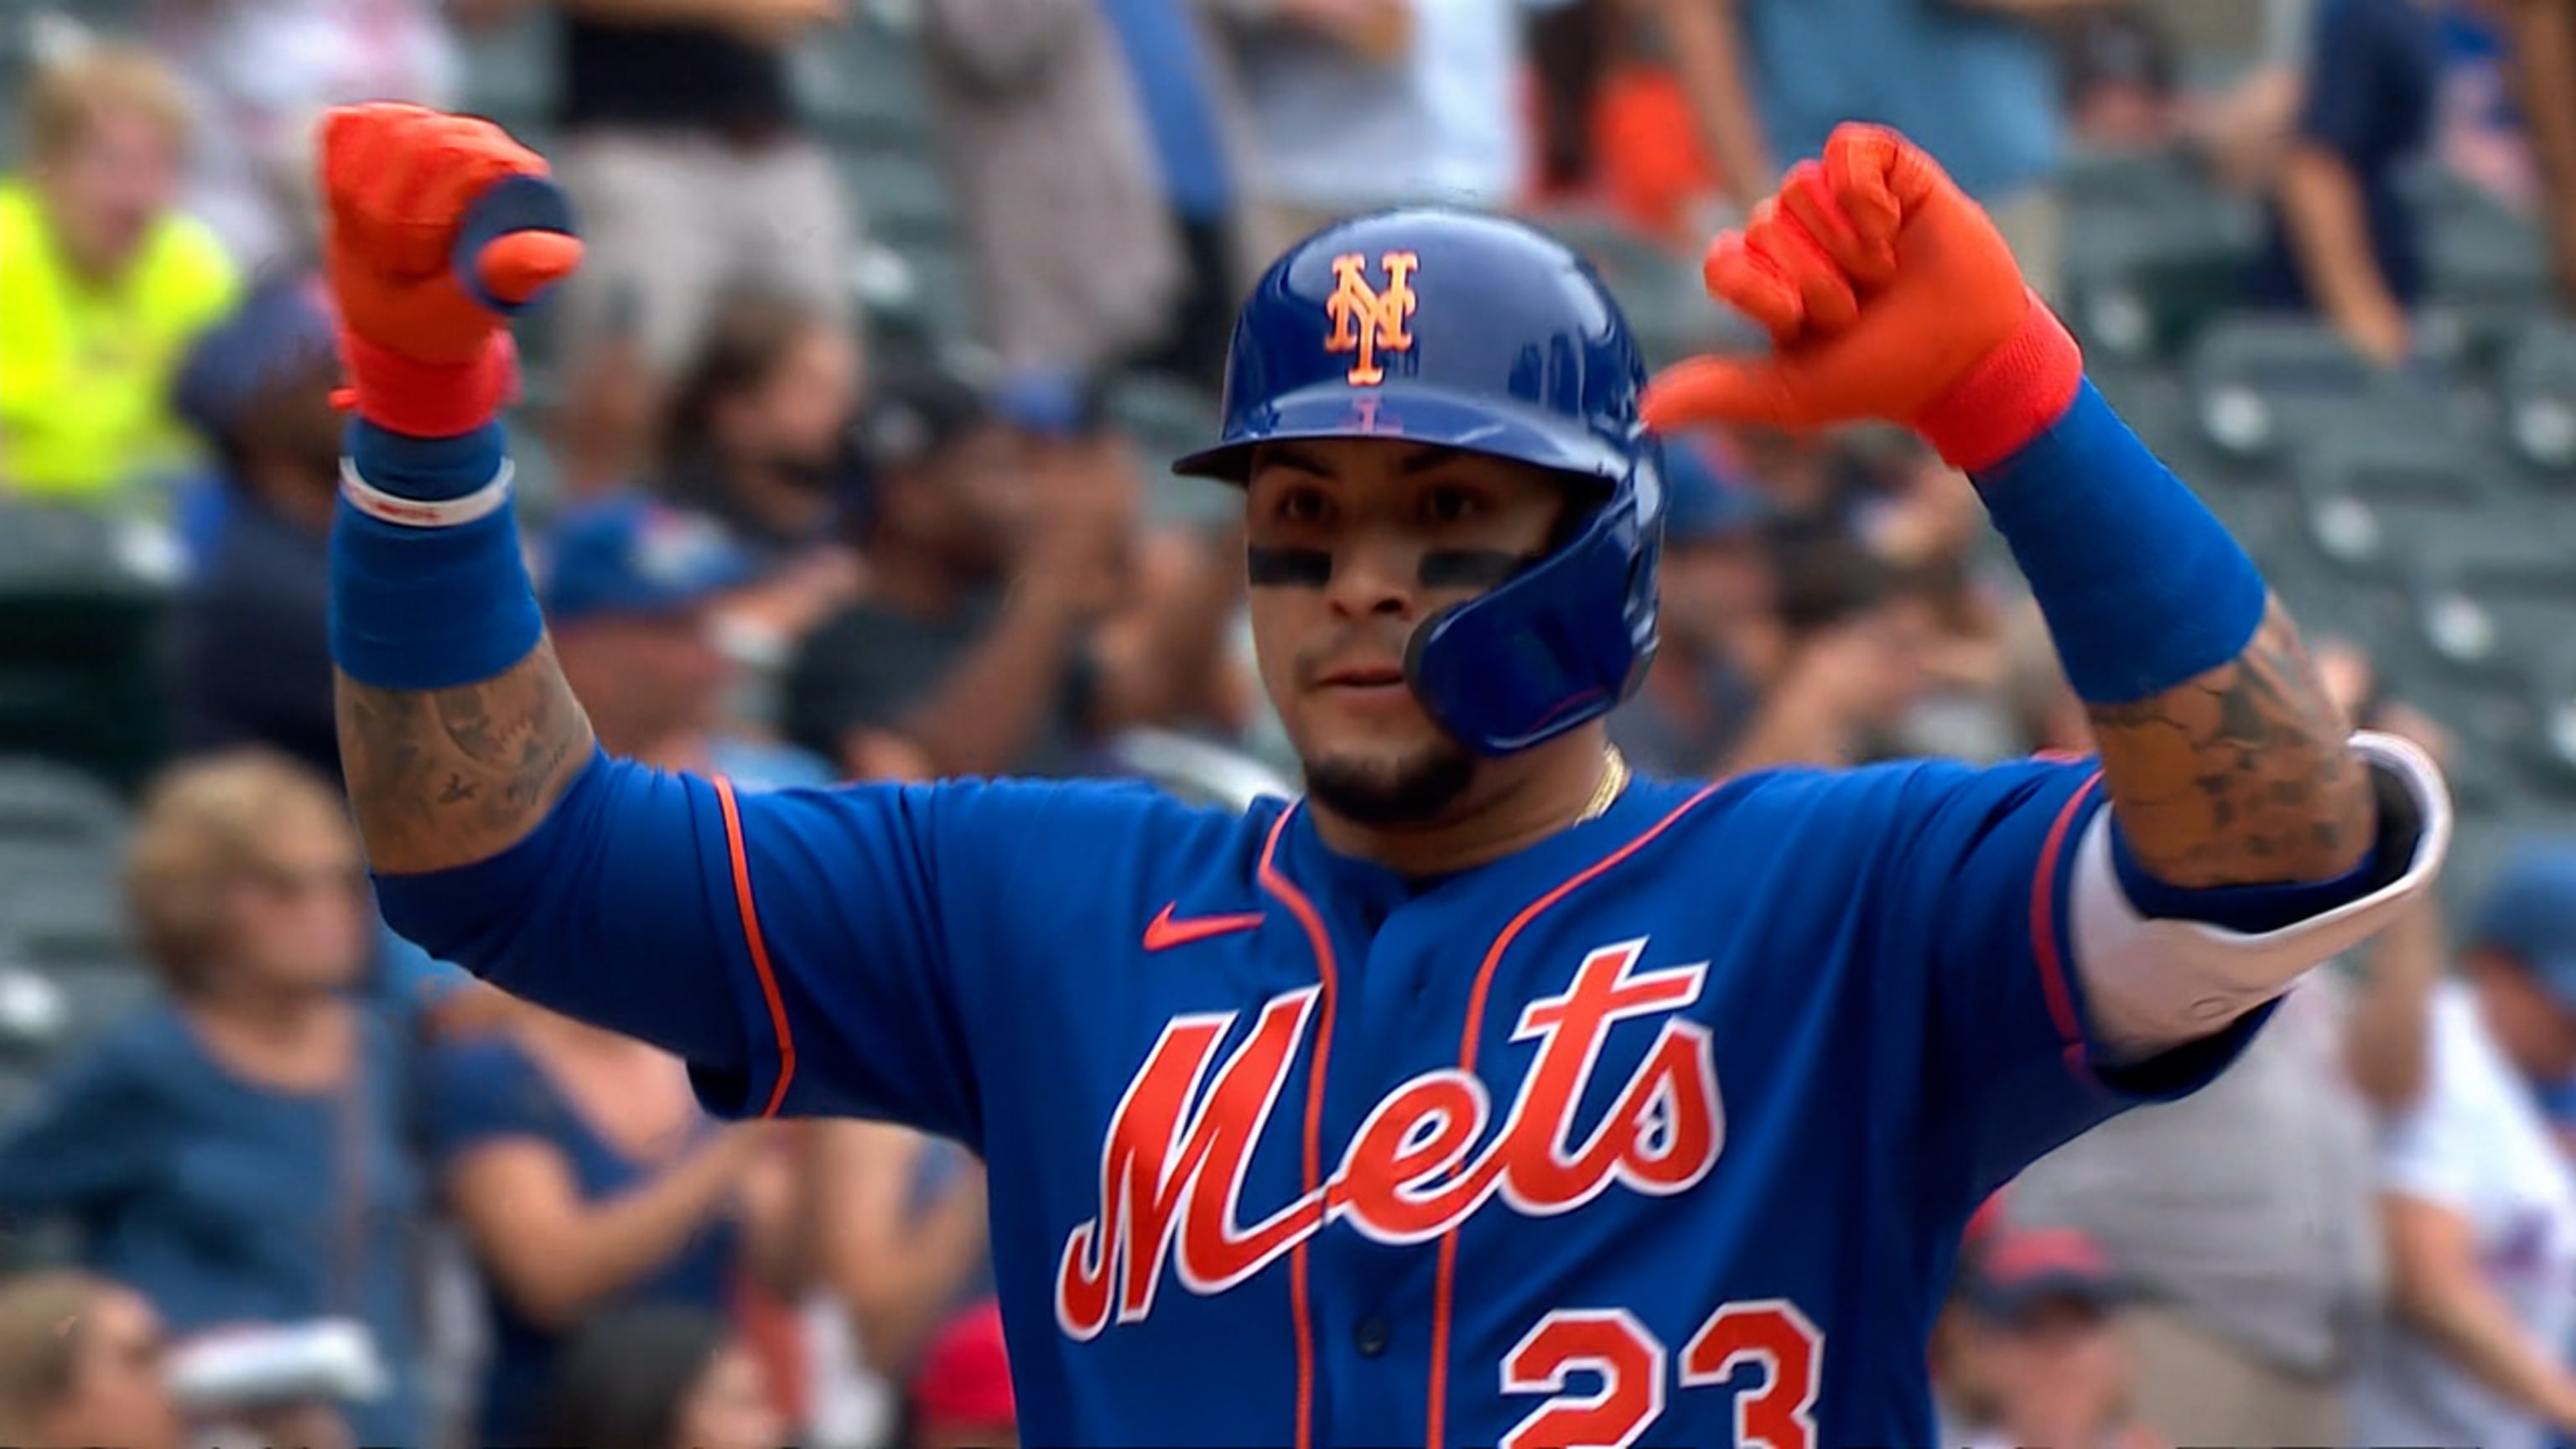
(758, 437)
(1849, 666)
(1364, 104)
(945, 667)
(2120, 74)
(587, 1178)
(1613, 126)
(2479, 1203)
(961, 1398)
(2483, 137)
(240, 1154)
(694, 173)
(659, 1378)
(253, 649)
(1973, 81)
(1963, 1409)
(1078, 263)
(1183, 70)
(2046, 1305)
(102, 282)
(758, 431)
(1720, 628)
(630, 594)
(258, 73)
(2344, 240)
(81, 1366)
(2051, 717)
(902, 1235)
(2541, 36)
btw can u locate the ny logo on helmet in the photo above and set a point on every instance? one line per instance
(1369, 320)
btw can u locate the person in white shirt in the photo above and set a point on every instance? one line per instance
(2479, 1204)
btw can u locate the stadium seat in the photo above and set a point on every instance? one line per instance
(1165, 419)
(2538, 382)
(863, 86)
(81, 604)
(902, 200)
(2374, 496)
(2267, 388)
(2153, 252)
(510, 72)
(1667, 308)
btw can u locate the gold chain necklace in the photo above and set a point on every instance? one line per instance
(1614, 778)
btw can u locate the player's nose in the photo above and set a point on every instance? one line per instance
(1374, 577)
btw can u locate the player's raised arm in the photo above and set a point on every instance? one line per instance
(457, 731)
(2243, 803)
(724, 926)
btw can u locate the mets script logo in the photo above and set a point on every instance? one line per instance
(1369, 320)
(1422, 1162)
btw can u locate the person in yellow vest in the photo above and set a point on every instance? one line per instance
(103, 283)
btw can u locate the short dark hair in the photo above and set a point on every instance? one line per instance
(744, 342)
(623, 1377)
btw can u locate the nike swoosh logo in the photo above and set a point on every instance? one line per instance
(1163, 933)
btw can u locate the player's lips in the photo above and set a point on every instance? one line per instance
(1362, 677)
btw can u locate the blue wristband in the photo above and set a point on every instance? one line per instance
(428, 608)
(2143, 588)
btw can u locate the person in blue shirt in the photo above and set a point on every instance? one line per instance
(586, 1177)
(2345, 243)
(239, 1153)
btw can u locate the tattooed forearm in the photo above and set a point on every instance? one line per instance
(446, 777)
(2243, 776)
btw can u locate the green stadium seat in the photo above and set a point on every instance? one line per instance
(902, 196)
(923, 298)
(2538, 383)
(2153, 252)
(2374, 496)
(82, 599)
(2270, 389)
(862, 85)
(1165, 419)
(511, 70)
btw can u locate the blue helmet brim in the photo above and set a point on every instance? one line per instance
(1417, 414)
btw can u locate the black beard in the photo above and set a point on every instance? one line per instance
(1412, 791)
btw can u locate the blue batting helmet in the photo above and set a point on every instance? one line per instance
(1482, 334)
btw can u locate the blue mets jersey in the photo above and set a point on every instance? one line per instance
(1660, 1131)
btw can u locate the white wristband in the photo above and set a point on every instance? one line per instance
(426, 513)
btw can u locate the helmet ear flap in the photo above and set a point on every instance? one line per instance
(1417, 650)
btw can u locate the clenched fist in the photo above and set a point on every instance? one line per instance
(1889, 296)
(437, 227)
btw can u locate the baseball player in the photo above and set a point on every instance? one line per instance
(1487, 1095)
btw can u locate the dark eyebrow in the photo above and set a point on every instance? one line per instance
(1427, 459)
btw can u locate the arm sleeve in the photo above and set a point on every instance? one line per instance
(2005, 874)
(788, 945)
(2162, 965)
(94, 1134)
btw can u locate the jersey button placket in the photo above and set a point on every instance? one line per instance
(1370, 1335)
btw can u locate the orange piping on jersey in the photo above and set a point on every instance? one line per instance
(751, 937)
(1444, 1286)
(2053, 985)
(1300, 1313)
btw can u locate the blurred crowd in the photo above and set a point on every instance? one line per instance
(327, 1191)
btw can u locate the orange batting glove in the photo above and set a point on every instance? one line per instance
(1889, 296)
(438, 227)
